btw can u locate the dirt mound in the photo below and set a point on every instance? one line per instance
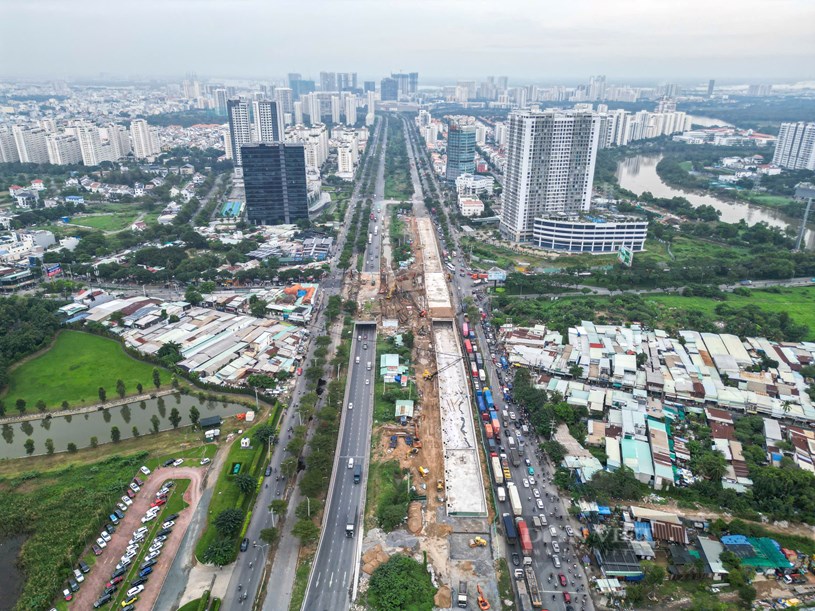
(443, 598)
(439, 530)
(373, 558)
(414, 521)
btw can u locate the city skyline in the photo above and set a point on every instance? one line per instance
(630, 40)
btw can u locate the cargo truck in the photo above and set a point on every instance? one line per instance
(488, 398)
(510, 531)
(465, 330)
(482, 376)
(496, 427)
(488, 430)
(514, 499)
(523, 593)
(502, 494)
(350, 525)
(461, 599)
(505, 468)
(532, 585)
(526, 539)
(497, 472)
(514, 458)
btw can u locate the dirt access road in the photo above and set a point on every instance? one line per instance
(106, 563)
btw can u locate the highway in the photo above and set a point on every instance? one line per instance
(543, 564)
(373, 252)
(337, 559)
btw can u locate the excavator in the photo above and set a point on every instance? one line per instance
(478, 542)
(428, 375)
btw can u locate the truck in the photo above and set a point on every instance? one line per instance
(488, 430)
(370, 237)
(497, 471)
(488, 398)
(502, 494)
(511, 443)
(465, 330)
(526, 539)
(468, 346)
(492, 446)
(523, 593)
(504, 363)
(474, 370)
(505, 468)
(510, 531)
(461, 599)
(350, 526)
(514, 499)
(479, 399)
(532, 585)
(478, 360)
(496, 427)
(514, 458)
(481, 375)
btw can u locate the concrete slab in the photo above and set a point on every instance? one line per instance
(430, 250)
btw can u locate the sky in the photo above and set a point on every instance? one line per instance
(444, 40)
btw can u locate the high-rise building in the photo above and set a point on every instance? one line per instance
(294, 76)
(301, 87)
(240, 132)
(795, 149)
(328, 81)
(408, 83)
(32, 146)
(388, 89)
(350, 109)
(298, 112)
(274, 176)
(285, 97)
(370, 116)
(220, 101)
(8, 147)
(269, 123)
(501, 83)
(63, 149)
(710, 85)
(145, 139)
(335, 109)
(118, 141)
(346, 81)
(90, 143)
(549, 168)
(460, 151)
(761, 90)
(369, 86)
(597, 88)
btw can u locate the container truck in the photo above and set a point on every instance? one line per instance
(488, 430)
(478, 360)
(526, 539)
(468, 346)
(474, 370)
(514, 499)
(532, 585)
(497, 471)
(510, 531)
(488, 398)
(492, 446)
(496, 427)
(502, 494)
(479, 399)
(465, 330)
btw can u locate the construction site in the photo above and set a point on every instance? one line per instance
(449, 518)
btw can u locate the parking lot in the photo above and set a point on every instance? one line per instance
(91, 589)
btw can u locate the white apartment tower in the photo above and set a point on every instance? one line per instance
(145, 140)
(269, 126)
(549, 169)
(335, 109)
(8, 147)
(240, 132)
(63, 149)
(796, 146)
(350, 110)
(90, 143)
(370, 116)
(119, 141)
(31, 144)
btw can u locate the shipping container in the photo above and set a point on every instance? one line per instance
(465, 330)
(510, 532)
(526, 539)
(497, 471)
(474, 370)
(488, 398)
(488, 429)
(514, 499)
(468, 346)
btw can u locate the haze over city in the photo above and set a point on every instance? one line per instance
(525, 39)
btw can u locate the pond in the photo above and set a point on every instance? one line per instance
(11, 578)
(639, 174)
(79, 428)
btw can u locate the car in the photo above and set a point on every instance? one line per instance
(110, 528)
(367, 382)
(127, 500)
(124, 562)
(299, 371)
(144, 470)
(168, 524)
(567, 597)
(526, 483)
(66, 594)
(114, 518)
(119, 514)
(141, 530)
(117, 573)
(148, 563)
(570, 531)
(359, 339)
(169, 484)
(138, 481)
(138, 582)
(79, 576)
(130, 493)
(135, 590)
(84, 567)
(132, 549)
(122, 507)
(562, 579)
(110, 589)
(530, 470)
(177, 462)
(130, 608)
(101, 543)
(115, 580)
(155, 545)
(172, 516)
(145, 571)
(97, 551)
(104, 534)
(148, 517)
(129, 601)
(556, 547)
(161, 538)
(158, 503)
(73, 584)
(516, 559)
(364, 346)
(536, 493)
(205, 461)
(268, 471)
(350, 406)
(154, 554)
(532, 481)
(539, 503)
(164, 532)
(527, 462)
(163, 492)
(134, 487)
(245, 544)
(168, 462)
(102, 600)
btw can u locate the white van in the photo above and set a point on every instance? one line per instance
(369, 365)
(351, 463)
(357, 360)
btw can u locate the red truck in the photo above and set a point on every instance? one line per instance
(523, 535)
(488, 429)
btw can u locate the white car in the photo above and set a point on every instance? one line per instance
(539, 503)
(79, 576)
(145, 470)
(104, 534)
(156, 545)
(136, 540)
(205, 461)
(526, 483)
(350, 406)
(101, 543)
(135, 590)
(134, 487)
(122, 507)
(536, 492)
(556, 547)
(148, 518)
(531, 481)
(367, 382)
(127, 500)
(168, 524)
(162, 492)
(123, 564)
(178, 462)
(570, 531)
(141, 530)
(154, 554)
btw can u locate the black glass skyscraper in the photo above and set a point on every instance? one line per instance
(274, 176)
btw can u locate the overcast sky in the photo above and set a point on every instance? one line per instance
(528, 40)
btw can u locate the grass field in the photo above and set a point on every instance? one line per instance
(686, 165)
(768, 200)
(106, 222)
(74, 369)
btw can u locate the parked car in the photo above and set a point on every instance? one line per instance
(97, 551)
(101, 543)
(135, 590)
(102, 601)
(168, 524)
(134, 487)
(148, 563)
(145, 571)
(139, 581)
(117, 573)
(177, 462)
(126, 500)
(104, 534)
(164, 532)
(130, 493)
(66, 594)
(122, 507)
(73, 584)
(168, 462)
(154, 554)
(138, 481)
(144, 470)
(158, 503)
(130, 601)
(119, 514)
(78, 576)
(115, 580)
(172, 516)
(205, 461)
(84, 567)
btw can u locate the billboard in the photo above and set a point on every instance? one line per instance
(496, 275)
(625, 256)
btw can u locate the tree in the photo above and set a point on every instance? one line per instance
(120, 388)
(20, 405)
(102, 394)
(307, 508)
(155, 422)
(115, 434)
(2, 408)
(289, 466)
(135, 431)
(65, 405)
(264, 433)
(228, 523)
(278, 506)
(268, 535)
(49, 446)
(170, 353)
(195, 415)
(576, 371)
(156, 377)
(94, 441)
(642, 358)
(139, 388)
(555, 450)
(257, 308)
(306, 531)
(245, 483)
(72, 448)
(191, 295)
(175, 417)
(400, 583)
(29, 446)
(219, 552)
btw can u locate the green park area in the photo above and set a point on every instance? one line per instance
(106, 222)
(74, 369)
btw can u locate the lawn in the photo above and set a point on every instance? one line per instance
(768, 200)
(73, 369)
(106, 222)
(686, 165)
